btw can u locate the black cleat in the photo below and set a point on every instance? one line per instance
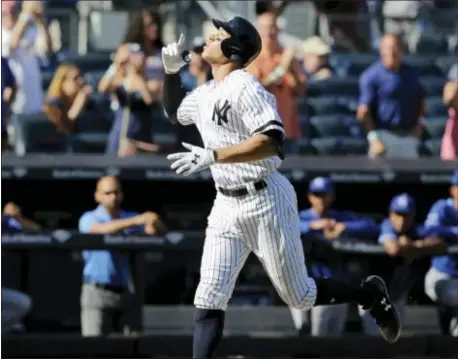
(383, 311)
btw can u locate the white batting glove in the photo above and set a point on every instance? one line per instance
(172, 56)
(188, 163)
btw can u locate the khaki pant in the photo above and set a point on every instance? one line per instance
(105, 312)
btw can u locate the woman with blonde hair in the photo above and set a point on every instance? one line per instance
(67, 97)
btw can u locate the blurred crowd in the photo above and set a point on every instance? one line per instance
(334, 94)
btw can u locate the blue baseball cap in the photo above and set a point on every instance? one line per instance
(402, 204)
(321, 185)
(454, 180)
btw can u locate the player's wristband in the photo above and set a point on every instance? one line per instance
(24, 17)
(372, 135)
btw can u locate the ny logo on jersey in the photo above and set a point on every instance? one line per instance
(220, 112)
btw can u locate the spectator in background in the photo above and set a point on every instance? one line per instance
(449, 146)
(441, 281)
(198, 71)
(146, 30)
(13, 220)
(108, 290)
(409, 242)
(344, 24)
(316, 64)
(67, 97)
(24, 39)
(391, 103)
(132, 128)
(8, 94)
(321, 220)
(279, 71)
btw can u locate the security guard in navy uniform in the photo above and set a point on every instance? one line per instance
(320, 219)
(108, 292)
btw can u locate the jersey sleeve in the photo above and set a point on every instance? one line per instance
(258, 109)
(387, 232)
(188, 110)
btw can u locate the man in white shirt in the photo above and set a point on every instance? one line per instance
(24, 39)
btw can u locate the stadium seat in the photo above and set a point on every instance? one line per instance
(430, 42)
(435, 106)
(434, 146)
(326, 146)
(93, 78)
(353, 145)
(425, 65)
(334, 86)
(88, 62)
(164, 133)
(305, 146)
(433, 85)
(331, 125)
(445, 63)
(89, 142)
(327, 106)
(46, 78)
(435, 126)
(36, 134)
(351, 64)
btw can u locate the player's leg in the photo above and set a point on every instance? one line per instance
(280, 249)
(443, 289)
(223, 257)
(328, 320)
(15, 306)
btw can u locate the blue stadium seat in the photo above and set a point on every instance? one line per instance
(435, 126)
(93, 78)
(36, 134)
(434, 146)
(327, 106)
(435, 106)
(432, 43)
(46, 78)
(445, 63)
(331, 125)
(334, 86)
(305, 146)
(353, 146)
(326, 146)
(433, 85)
(351, 64)
(88, 62)
(164, 133)
(425, 65)
(89, 142)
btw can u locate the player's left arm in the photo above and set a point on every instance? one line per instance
(257, 109)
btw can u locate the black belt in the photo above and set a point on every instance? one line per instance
(112, 288)
(240, 192)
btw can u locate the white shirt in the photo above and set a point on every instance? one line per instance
(227, 113)
(26, 70)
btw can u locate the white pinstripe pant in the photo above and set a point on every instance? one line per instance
(264, 222)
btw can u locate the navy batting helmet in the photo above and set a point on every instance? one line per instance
(244, 44)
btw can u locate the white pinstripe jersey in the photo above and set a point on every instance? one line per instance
(227, 113)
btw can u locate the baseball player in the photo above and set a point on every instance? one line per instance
(441, 281)
(255, 209)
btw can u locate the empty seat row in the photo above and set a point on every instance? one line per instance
(331, 105)
(354, 64)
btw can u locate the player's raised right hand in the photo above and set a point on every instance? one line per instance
(172, 56)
